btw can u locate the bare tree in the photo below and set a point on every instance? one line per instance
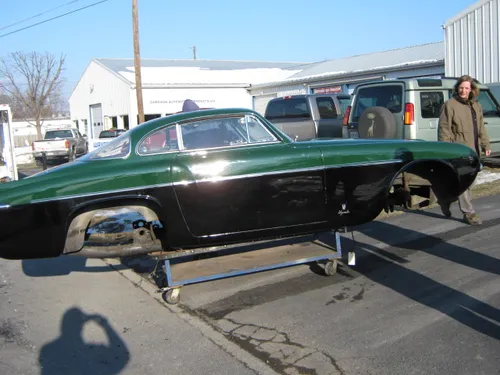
(31, 79)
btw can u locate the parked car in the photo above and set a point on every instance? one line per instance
(495, 90)
(309, 116)
(214, 177)
(412, 107)
(409, 109)
(60, 144)
(111, 133)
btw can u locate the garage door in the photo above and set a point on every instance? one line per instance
(260, 102)
(96, 120)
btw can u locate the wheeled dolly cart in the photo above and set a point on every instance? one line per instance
(182, 268)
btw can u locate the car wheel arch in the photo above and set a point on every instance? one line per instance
(80, 217)
(440, 173)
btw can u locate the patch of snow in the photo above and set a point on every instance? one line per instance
(486, 176)
(331, 73)
(196, 75)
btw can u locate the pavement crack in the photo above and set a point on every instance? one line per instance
(278, 350)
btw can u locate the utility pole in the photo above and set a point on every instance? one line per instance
(137, 63)
(194, 52)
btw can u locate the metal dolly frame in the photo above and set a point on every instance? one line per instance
(244, 262)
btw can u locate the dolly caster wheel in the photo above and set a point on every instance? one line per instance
(172, 296)
(331, 268)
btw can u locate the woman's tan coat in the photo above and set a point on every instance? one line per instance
(456, 124)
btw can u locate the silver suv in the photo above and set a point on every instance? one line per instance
(415, 104)
(409, 109)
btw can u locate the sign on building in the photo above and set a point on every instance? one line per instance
(327, 90)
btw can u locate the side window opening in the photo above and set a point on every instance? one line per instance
(326, 108)
(224, 132)
(162, 140)
(490, 108)
(344, 103)
(431, 103)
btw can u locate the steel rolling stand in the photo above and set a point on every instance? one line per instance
(179, 268)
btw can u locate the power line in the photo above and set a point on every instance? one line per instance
(53, 18)
(38, 15)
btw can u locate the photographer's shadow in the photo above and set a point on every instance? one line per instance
(70, 354)
(61, 266)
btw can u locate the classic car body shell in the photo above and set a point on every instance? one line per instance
(221, 195)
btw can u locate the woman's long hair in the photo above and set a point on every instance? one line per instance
(474, 92)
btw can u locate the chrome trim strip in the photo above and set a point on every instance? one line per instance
(4, 206)
(257, 230)
(219, 179)
(107, 192)
(250, 175)
(299, 170)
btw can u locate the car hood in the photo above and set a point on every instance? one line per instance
(75, 179)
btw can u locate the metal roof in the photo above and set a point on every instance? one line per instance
(413, 55)
(118, 65)
(159, 72)
(163, 71)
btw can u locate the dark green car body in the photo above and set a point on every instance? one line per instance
(214, 177)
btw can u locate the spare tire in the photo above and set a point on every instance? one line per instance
(377, 122)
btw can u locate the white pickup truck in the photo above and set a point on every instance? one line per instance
(60, 144)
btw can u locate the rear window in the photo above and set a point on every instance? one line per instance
(388, 96)
(287, 108)
(53, 134)
(111, 133)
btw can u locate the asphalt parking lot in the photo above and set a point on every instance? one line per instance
(423, 298)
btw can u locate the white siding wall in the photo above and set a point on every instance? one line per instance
(472, 42)
(99, 85)
(171, 100)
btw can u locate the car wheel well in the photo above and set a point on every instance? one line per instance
(122, 226)
(436, 174)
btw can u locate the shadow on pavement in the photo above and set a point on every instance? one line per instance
(70, 354)
(386, 232)
(389, 271)
(61, 266)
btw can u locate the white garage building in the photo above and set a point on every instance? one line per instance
(344, 74)
(105, 96)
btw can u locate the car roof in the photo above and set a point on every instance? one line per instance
(446, 83)
(150, 125)
(297, 96)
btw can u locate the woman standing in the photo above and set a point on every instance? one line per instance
(461, 121)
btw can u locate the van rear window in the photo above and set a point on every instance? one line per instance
(388, 96)
(287, 108)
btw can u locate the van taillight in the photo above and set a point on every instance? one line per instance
(346, 115)
(409, 114)
(33, 146)
(66, 144)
